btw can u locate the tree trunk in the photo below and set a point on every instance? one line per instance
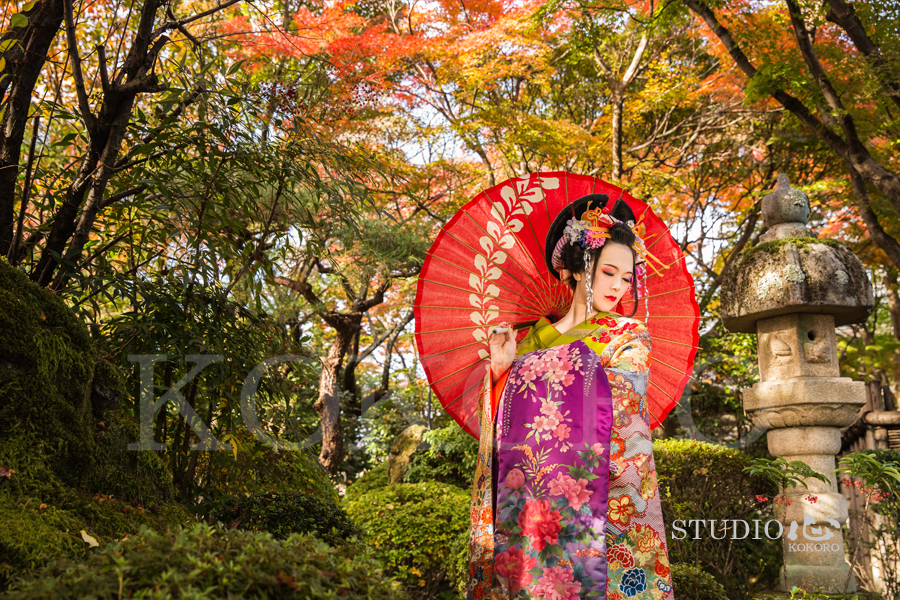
(329, 401)
(24, 61)
(350, 375)
(618, 103)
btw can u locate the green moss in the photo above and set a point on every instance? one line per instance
(64, 440)
(775, 246)
(30, 537)
(46, 367)
(129, 474)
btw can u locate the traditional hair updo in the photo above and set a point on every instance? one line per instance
(573, 256)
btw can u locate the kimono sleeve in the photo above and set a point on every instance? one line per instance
(630, 350)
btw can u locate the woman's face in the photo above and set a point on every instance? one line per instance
(613, 277)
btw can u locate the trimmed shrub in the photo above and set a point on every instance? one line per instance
(416, 529)
(284, 513)
(203, 562)
(450, 458)
(375, 478)
(689, 581)
(706, 482)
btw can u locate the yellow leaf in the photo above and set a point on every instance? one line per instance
(2, 63)
(92, 542)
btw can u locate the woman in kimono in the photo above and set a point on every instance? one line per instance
(565, 503)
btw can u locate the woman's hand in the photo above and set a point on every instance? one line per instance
(503, 352)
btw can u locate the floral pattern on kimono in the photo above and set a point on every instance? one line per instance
(637, 553)
(542, 538)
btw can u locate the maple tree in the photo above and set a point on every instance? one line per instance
(297, 147)
(833, 67)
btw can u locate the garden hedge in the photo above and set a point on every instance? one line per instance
(693, 583)
(203, 562)
(704, 481)
(419, 531)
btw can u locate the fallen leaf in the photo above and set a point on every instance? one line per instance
(4, 472)
(92, 542)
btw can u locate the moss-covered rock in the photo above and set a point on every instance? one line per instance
(46, 368)
(402, 451)
(795, 275)
(64, 440)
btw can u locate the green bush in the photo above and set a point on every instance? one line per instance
(375, 478)
(203, 562)
(450, 458)
(692, 582)
(284, 513)
(417, 529)
(704, 481)
(257, 467)
(886, 538)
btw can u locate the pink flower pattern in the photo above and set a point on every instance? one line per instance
(557, 583)
(575, 491)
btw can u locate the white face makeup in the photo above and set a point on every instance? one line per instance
(613, 276)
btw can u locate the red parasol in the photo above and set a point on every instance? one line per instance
(487, 266)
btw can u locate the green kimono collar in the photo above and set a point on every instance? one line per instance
(544, 335)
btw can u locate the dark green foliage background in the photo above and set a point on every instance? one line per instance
(284, 513)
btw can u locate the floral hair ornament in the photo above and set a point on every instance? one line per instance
(591, 232)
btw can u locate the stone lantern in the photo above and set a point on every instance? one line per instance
(792, 290)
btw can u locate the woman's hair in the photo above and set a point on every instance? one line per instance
(573, 258)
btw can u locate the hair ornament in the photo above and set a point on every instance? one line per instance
(591, 232)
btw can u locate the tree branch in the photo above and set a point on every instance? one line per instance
(168, 26)
(77, 74)
(26, 192)
(635, 61)
(380, 339)
(883, 179)
(104, 74)
(888, 244)
(844, 15)
(821, 78)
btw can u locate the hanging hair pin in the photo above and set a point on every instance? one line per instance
(588, 284)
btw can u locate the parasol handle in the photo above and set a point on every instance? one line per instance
(516, 327)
